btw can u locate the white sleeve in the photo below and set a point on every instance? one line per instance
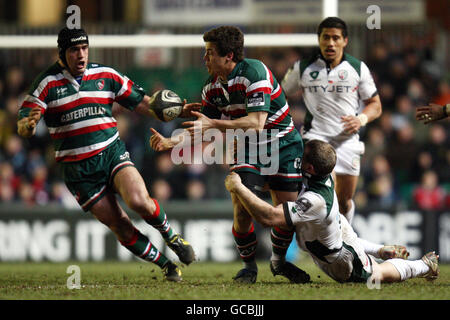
(366, 88)
(291, 81)
(307, 207)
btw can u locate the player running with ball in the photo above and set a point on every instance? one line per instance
(251, 99)
(75, 98)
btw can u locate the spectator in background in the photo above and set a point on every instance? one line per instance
(61, 195)
(15, 81)
(161, 190)
(401, 153)
(375, 145)
(26, 194)
(9, 182)
(412, 62)
(438, 147)
(378, 61)
(386, 124)
(195, 190)
(15, 154)
(387, 95)
(378, 183)
(40, 184)
(404, 106)
(381, 192)
(399, 76)
(33, 161)
(423, 163)
(443, 96)
(164, 169)
(380, 166)
(429, 195)
(416, 92)
(214, 173)
(6, 193)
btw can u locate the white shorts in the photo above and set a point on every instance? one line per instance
(348, 153)
(352, 264)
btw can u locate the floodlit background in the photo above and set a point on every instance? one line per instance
(404, 189)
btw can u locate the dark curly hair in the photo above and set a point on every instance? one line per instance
(333, 22)
(227, 39)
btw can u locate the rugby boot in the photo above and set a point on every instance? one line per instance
(172, 272)
(393, 251)
(182, 248)
(246, 276)
(431, 260)
(291, 272)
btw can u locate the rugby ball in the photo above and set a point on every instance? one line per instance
(165, 105)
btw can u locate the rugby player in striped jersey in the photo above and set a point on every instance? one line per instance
(245, 91)
(75, 98)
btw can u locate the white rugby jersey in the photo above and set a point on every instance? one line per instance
(329, 94)
(316, 218)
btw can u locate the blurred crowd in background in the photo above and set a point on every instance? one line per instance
(406, 163)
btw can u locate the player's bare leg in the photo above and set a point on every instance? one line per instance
(108, 211)
(130, 185)
(281, 239)
(245, 239)
(345, 186)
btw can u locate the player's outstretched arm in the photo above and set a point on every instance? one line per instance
(254, 120)
(144, 108)
(433, 112)
(263, 212)
(188, 108)
(160, 143)
(26, 127)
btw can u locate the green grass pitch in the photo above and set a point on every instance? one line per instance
(201, 281)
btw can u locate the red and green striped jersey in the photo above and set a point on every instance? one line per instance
(79, 116)
(251, 87)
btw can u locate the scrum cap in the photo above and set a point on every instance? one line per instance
(68, 38)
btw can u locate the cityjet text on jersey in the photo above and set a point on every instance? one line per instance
(83, 112)
(327, 88)
(232, 147)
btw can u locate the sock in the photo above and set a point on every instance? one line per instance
(370, 247)
(246, 245)
(141, 246)
(281, 239)
(350, 213)
(159, 222)
(409, 268)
